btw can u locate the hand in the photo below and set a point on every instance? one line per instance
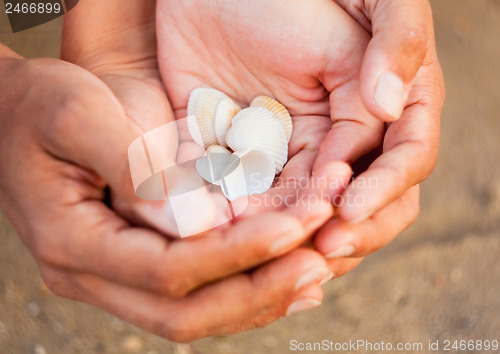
(64, 137)
(125, 59)
(402, 45)
(288, 50)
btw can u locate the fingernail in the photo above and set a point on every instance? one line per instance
(326, 279)
(342, 251)
(284, 243)
(389, 94)
(313, 275)
(302, 304)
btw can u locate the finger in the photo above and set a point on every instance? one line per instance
(104, 245)
(329, 181)
(409, 151)
(103, 140)
(342, 266)
(402, 33)
(200, 314)
(354, 132)
(309, 199)
(284, 193)
(340, 239)
(304, 299)
(308, 132)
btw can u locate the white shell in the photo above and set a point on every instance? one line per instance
(210, 167)
(252, 172)
(279, 111)
(203, 104)
(224, 113)
(257, 128)
(194, 130)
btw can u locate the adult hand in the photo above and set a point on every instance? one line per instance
(124, 58)
(401, 82)
(288, 50)
(64, 137)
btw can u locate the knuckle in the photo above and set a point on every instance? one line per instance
(256, 252)
(264, 320)
(170, 282)
(71, 114)
(176, 330)
(174, 288)
(49, 253)
(65, 122)
(245, 253)
(415, 39)
(56, 283)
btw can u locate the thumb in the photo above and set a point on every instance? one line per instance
(92, 131)
(401, 33)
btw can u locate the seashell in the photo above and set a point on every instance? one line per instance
(203, 104)
(279, 111)
(252, 172)
(256, 128)
(210, 167)
(224, 113)
(194, 129)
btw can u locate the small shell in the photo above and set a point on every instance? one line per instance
(251, 173)
(279, 111)
(203, 104)
(210, 167)
(194, 130)
(224, 113)
(256, 128)
(217, 149)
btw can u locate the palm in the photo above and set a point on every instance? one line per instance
(298, 52)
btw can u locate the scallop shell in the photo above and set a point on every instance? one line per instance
(279, 111)
(194, 130)
(203, 104)
(256, 128)
(210, 167)
(252, 172)
(224, 113)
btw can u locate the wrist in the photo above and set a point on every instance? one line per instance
(96, 36)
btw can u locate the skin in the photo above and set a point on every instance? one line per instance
(128, 69)
(233, 47)
(131, 99)
(56, 124)
(402, 43)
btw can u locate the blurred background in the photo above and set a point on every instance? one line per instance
(437, 280)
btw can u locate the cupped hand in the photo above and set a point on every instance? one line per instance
(303, 55)
(125, 59)
(307, 55)
(64, 138)
(401, 83)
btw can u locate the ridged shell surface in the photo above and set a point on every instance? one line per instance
(194, 130)
(203, 104)
(279, 111)
(257, 128)
(224, 114)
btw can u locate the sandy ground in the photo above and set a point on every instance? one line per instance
(436, 281)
